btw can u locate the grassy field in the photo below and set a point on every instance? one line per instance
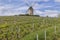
(27, 27)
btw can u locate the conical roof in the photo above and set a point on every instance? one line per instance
(31, 8)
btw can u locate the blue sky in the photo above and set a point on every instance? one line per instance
(41, 7)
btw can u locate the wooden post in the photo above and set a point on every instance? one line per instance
(45, 34)
(55, 29)
(55, 37)
(32, 27)
(17, 32)
(37, 37)
(6, 35)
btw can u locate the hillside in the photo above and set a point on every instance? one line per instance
(27, 27)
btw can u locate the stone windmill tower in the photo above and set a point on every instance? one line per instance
(30, 10)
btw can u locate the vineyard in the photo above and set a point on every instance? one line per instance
(27, 27)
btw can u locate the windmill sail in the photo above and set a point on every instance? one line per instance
(30, 9)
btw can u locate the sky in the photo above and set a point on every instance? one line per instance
(49, 8)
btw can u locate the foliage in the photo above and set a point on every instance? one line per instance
(26, 27)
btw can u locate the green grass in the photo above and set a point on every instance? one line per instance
(21, 27)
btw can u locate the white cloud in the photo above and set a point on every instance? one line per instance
(57, 0)
(38, 0)
(22, 8)
(9, 10)
(34, 0)
(10, 13)
(6, 7)
(37, 12)
(50, 13)
(45, 0)
(38, 6)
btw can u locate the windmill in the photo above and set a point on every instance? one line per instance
(30, 10)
